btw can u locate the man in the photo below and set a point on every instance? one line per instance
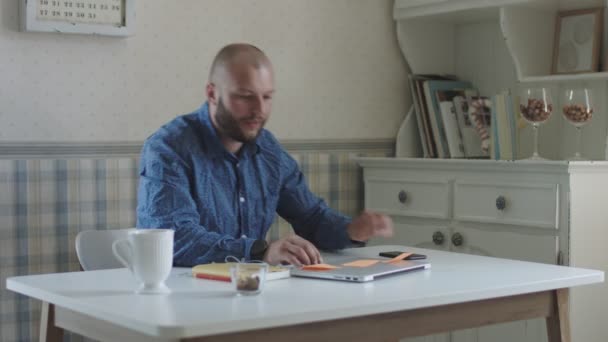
(218, 178)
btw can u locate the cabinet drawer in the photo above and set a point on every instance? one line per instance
(408, 197)
(534, 205)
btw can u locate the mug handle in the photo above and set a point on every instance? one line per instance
(125, 259)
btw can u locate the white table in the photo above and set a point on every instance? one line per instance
(459, 291)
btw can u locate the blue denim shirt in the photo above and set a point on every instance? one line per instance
(219, 203)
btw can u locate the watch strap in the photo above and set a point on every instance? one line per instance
(258, 249)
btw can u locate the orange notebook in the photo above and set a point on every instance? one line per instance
(221, 271)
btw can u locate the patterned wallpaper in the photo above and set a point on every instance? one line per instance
(340, 74)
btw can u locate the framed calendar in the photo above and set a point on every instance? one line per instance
(104, 17)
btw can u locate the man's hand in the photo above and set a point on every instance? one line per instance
(370, 224)
(294, 250)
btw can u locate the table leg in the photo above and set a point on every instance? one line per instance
(48, 331)
(558, 324)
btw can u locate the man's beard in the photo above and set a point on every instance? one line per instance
(229, 126)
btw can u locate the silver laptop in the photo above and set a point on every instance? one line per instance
(360, 274)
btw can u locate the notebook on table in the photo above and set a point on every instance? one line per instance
(221, 271)
(357, 269)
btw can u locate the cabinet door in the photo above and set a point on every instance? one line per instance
(419, 235)
(532, 245)
(515, 203)
(412, 198)
(527, 244)
(422, 235)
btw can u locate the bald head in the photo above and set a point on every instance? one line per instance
(241, 55)
(239, 93)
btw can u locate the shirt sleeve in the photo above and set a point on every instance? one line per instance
(309, 215)
(165, 201)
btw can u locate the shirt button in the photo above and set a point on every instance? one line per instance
(238, 164)
(242, 199)
(243, 236)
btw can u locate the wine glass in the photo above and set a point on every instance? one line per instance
(535, 106)
(578, 110)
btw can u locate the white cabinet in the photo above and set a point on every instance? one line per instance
(550, 212)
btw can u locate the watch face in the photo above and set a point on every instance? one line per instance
(259, 247)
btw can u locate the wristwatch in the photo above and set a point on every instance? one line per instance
(356, 243)
(258, 250)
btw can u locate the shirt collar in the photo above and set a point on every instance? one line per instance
(212, 140)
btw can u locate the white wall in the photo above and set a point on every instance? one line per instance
(339, 71)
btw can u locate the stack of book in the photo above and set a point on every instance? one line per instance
(454, 121)
(506, 116)
(436, 114)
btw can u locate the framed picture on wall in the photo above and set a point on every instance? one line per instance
(578, 36)
(104, 17)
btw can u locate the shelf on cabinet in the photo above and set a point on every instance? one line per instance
(467, 10)
(592, 76)
(451, 11)
(527, 27)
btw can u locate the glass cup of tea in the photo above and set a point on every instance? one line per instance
(249, 278)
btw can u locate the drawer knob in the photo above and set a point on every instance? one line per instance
(501, 202)
(438, 238)
(402, 196)
(457, 239)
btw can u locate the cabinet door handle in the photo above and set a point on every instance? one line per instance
(438, 238)
(402, 196)
(501, 202)
(457, 239)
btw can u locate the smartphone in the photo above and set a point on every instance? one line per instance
(393, 254)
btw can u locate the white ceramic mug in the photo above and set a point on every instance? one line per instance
(148, 253)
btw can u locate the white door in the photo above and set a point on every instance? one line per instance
(537, 245)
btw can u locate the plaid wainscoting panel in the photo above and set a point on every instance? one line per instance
(44, 203)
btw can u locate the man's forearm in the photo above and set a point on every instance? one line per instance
(325, 228)
(194, 245)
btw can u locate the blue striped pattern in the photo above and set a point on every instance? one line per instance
(61, 214)
(45, 203)
(22, 260)
(100, 198)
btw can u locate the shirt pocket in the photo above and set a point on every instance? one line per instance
(262, 212)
